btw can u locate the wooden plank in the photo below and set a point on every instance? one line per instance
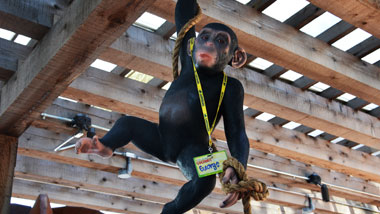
(261, 93)
(10, 54)
(80, 198)
(8, 151)
(94, 180)
(283, 45)
(132, 97)
(277, 196)
(29, 18)
(260, 159)
(364, 14)
(61, 56)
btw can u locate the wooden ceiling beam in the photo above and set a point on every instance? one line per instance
(261, 92)
(66, 175)
(61, 56)
(364, 14)
(132, 97)
(29, 18)
(80, 198)
(283, 45)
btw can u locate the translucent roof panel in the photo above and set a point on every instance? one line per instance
(68, 99)
(135, 75)
(320, 24)
(351, 39)
(243, 1)
(291, 75)
(283, 9)
(372, 57)
(370, 107)
(319, 87)
(345, 97)
(291, 125)
(337, 140)
(376, 153)
(150, 21)
(103, 65)
(23, 40)
(357, 146)
(245, 107)
(315, 133)
(260, 63)
(265, 116)
(6, 34)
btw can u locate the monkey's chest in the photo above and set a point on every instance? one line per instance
(183, 108)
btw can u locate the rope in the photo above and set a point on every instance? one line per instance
(180, 37)
(247, 187)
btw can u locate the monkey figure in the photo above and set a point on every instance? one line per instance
(181, 133)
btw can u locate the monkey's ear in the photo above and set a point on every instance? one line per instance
(239, 58)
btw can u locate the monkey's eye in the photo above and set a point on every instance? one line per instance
(204, 37)
(221, 41)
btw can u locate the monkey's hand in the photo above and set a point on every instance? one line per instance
(230, 176)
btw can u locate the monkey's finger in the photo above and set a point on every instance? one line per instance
(231, 199)
(229, 174)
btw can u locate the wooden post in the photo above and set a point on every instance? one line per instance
(8, 151)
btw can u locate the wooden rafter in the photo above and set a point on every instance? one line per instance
(363, 14)
(265, 37)
(61, 56)
(261, 93)
(138, 99)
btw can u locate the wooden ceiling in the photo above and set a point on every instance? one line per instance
(69, 35)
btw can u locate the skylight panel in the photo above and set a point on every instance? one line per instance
(345, 97)
(6, 34)
(101, 108)
(376, 153)
(135, 75)
(245, 107)
(372, 57)
(320, 24)
(315, 133)
(291, 75)
(260, 63)
(370, 107)
(319, 87)
(291, 125)
(103, 65)
(265, 116)
(23, 40)
(337, 140)
(351, 39)
(243, 1)
(357, 146)
(283, 9)
(108, 212)
(150, 21)
(167, 86)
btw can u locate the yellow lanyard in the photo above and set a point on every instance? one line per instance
(202, 99)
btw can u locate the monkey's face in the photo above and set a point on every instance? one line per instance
(212, 50)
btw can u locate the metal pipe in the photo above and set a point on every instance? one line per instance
(44, 115)
(78, 135)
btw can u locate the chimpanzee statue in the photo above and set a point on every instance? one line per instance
(181, 133)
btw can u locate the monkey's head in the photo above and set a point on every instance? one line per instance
(216, 47)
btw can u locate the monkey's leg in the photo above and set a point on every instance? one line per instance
(194, 191)
(142, 133)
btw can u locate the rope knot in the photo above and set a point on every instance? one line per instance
(247, 187)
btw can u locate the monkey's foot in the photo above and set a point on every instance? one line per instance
(92, 146)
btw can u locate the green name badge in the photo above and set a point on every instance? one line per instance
(210, 164)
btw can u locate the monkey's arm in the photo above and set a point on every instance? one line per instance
(184, 11)
(233, 118)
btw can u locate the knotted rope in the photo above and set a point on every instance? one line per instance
(247, 187)
(180, 37)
